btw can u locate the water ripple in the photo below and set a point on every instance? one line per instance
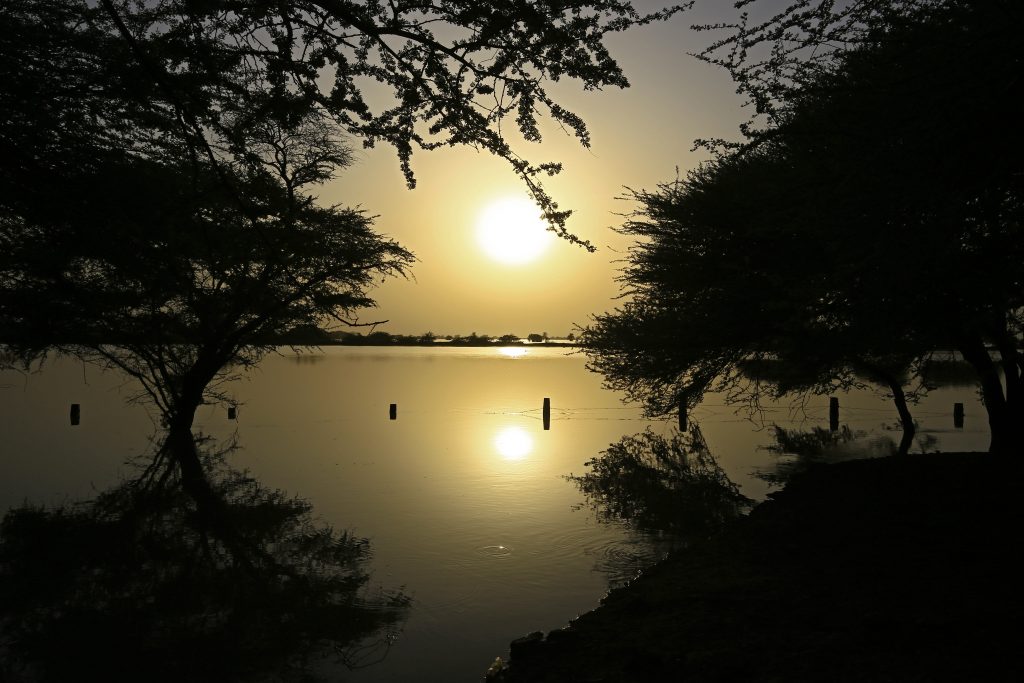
(494, 551)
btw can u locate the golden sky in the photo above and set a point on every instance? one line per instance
(639, 136)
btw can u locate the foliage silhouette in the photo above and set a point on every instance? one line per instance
(773, 60)
(410, 75)
(186, 239)
(185, 140)
(140, 584)
(864, 227)
(722, 295)
(202, 291)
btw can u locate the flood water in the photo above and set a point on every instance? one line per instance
(463, 496)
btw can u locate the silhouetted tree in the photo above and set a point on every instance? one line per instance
(866, 225)
(379, 338)
(727, 295)
(408, 74)
(920, 100)
(180, 298)
(774, 58)
(156, 214)
(174, 259)
(473, 339)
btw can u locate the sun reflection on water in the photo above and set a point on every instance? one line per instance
(513, 443)
(512, 351)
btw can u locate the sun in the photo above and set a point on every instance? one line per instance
(512, 231)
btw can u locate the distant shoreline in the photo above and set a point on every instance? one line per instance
(317, 337)
(439, 344)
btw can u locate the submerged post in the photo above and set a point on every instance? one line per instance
(833, 414)
(393, 411)
(547, 413)
(232, 412)
(682, 415)
(958, 415)
(76, 414)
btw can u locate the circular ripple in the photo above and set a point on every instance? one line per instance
(495, 550)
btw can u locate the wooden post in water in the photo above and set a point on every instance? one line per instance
(76, 414)
(682, 415)
(958, 415)
(393, 411)
(232, 412)
(833, 414)
(547, 413)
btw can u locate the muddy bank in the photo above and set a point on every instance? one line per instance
(892, 569)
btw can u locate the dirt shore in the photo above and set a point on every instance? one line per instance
(890, 569)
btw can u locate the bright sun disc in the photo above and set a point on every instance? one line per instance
(512, 231)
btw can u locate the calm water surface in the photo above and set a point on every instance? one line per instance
(463, 496)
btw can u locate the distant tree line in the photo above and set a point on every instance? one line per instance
(314, 336)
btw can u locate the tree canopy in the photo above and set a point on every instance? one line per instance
(407, 74)
(129, 243)
(873, 220)
(158, 212)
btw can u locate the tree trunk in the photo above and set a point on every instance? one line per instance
(1010, 364)
(1005, 429)
(906, 420)
(882, 374)
(181, 443)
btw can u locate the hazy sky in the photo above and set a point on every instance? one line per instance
(639, 136)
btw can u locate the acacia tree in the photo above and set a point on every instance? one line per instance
(916, 118)
(207, 290)
(409, 74)
(725, 291)
(865, 220)
(183, 139)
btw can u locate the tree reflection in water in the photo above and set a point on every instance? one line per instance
(796, 451)
(669, 489)
(671, 485)
(143, 583)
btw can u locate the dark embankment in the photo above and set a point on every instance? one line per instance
(895, 569)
